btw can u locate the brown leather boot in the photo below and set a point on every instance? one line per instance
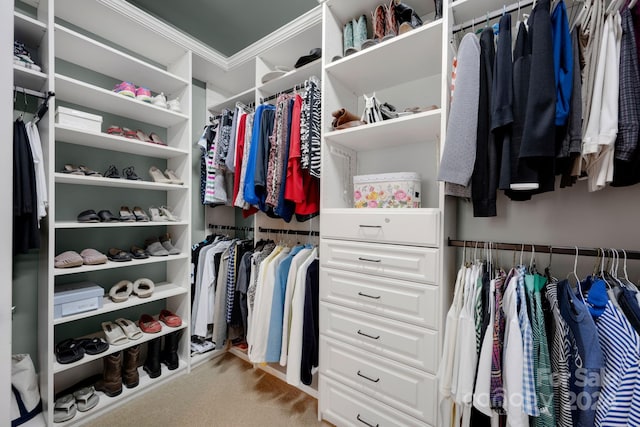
(111, 382)
(343, 119)
(130, 376)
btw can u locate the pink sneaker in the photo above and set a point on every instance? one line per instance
(126, 89)
(143, 94)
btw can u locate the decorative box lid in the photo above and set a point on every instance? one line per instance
(383, 177)
(78, 113)
(76, 291)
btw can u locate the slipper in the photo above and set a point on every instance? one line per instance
(68, 259)
(138, 253)
(114, 334)
(130, 329)
(88, 216)
(93, 346)
(64, 409)
(107, 216)
(118, 255)
(86, 398)
(121, 291)
(126, 215)
(143, 287)
(93, 257)
(88, 172)
(69, 351)
(170, 319)
(140, 214)
(149, 325)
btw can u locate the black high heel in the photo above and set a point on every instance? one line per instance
(112, 172)
(130, 173)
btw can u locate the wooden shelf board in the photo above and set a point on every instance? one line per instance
(105, 141)
(404, 130)
(82, 50)
(63, 178)
(414, 55)
(111, 264)
(161, 291)
(81, 93)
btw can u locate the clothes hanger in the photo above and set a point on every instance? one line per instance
(581, 14)
(532, 261)
(575, 275)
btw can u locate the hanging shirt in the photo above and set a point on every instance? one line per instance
(249, 192)
(310, 128)
(246, 150)
(38, 164)
(239, 154)
(25, 199)
(276, 151)
(497, 390)
(529, 397)
(310, 324)
(562, 62)
(285, 208)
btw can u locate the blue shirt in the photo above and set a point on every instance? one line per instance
(562, 62)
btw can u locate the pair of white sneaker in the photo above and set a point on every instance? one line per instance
(161, 101)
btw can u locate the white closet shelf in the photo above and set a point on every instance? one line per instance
(63, 178)
(294, 77)
(75, 224)
(246, 97)
(81, 93)
(29, 79)
(109, 265)
(465, 10)
(413, 55)
(105, 141)
(81, 50)
(273, 371)
(59, 367)
(389, 133)
(28, 30)
(107, 403)
(346, 10)
(161, 291)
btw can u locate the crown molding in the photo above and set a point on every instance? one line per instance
(287, 31)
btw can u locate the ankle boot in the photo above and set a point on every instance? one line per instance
(130, 376)
(438, 4)
(152, 364)
(359, 31)
(169, 355)
(347, 38)
(111, 382)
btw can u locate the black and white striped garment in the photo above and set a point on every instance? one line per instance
(310, 128)
(560, 350)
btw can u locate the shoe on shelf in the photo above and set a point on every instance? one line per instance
(140, 214)
(170, 216)
(118, 255)
(72, 170)
(88, 172)
(128, 133)
(115, 130)
(68, 259)
(149, 325)
(121, 291)
(92, 256)
(156, 139)
(165, 240)
(107, 216)
(157, 215)
(158, 176)
(152, 363)
(138, 253)
(170, 319)
(155, 248)
(142, 136)
(112, 172)
(173, 177)
(130, 375)
(174, 105)
(64, 409)
(347, 38)
(143, 94)
(169, 355)
(143, 287)
(359, 31)
(130, 174)
(126, 215)
(88, 216)
(126, 89)
(160, 100)
(111, 382)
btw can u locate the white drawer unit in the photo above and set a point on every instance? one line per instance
(409, 344)
(407, 389)
(343, 406)
(397, 299)
(401, 226)
(400, 262)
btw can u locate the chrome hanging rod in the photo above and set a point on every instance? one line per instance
(491, 15)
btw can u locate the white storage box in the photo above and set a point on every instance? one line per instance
(387, 190)
(78, 119)
(74, 298)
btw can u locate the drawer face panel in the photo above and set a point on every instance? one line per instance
(408, 344)
(403, 226)
(406, 389)
(396, 299)
(343, 406)
(398, 262)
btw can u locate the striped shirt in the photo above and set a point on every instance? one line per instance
(530, 401)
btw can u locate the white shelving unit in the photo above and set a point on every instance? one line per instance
(383, 272)
(167, 70)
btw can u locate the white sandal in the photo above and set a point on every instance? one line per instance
(64, 409)
(86, 398)
(167, 213)
(158, 176)
(143, 287)
(173, 177)
(121, 291)
(129, 328)
(157, 216)
(114, 334)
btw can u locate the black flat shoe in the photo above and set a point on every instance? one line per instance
(118, 255)
(88, 216)
(107, 216)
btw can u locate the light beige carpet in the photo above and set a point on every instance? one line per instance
(223, 392)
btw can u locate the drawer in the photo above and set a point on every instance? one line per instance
(408, 344)
(343, 406)
(395, 261)
(397, 299)
(406, 389)
(404, 226)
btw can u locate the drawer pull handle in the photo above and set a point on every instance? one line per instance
(366, 423)
(369, 259)
(368, 296)
(370, 226)
(368, 378)
(368, 336)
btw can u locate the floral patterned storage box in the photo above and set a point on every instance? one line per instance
(387, 190)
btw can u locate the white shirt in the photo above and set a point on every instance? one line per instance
(38, 164)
